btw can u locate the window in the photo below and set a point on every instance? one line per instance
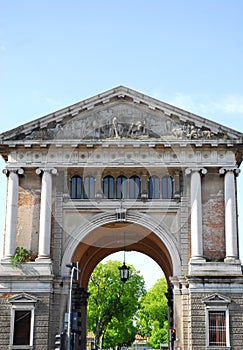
(167, 187)
(134, 187)
(217, 322)
(89, 187)
(22, 325)
(76, 187)
(22, 321)
(154, 187)
(121, 187)
(217, 328)
(108, 187)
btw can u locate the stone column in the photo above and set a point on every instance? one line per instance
(45, 212)
(11, 211)
(196, 213)
(231, 235)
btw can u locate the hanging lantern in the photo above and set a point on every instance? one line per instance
(124, 269)
(124, 272)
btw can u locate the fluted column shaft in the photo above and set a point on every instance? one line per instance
(45, 213)
(11, 211)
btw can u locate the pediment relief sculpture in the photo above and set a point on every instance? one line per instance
(127, 122)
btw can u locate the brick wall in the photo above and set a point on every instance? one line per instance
(213, 217)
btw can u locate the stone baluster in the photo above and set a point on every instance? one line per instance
(11, 211)
(196, 212)
(45, 213)
(231, 236)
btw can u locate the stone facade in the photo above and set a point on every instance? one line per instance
(66, 202)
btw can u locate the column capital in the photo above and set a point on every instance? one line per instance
(18, 171)
(202, 171)
(52, 171)
(235, 170)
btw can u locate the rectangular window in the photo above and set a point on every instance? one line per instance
(22, 326)
(217, 328)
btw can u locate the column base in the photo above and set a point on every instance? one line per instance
(43, 259)
(6, 259)
(209, 269)
(232, 259)
(198, 259)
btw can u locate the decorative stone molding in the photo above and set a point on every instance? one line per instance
(51, 171)
(123, 153)
(190, 171)
(23, 298)
(216, 299)
(18, 171)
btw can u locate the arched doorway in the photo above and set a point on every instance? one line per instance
(104, 235)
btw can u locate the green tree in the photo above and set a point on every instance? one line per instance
(113, 304)
(152, 318)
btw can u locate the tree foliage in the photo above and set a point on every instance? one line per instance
(152, 318)
(113, 304)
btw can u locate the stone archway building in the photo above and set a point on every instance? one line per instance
(122, 162)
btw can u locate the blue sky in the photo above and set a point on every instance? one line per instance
(55, 53)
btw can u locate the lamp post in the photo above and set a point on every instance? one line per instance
(74, 275)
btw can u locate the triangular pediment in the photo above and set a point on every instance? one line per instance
(23, 298)
(120, 113)
(216, 299)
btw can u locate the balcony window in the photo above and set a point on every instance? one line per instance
(109, 187)
(167, 187)
(134, 187)
(89, 187)
(121, 187)
(76, 187)
(154, 187)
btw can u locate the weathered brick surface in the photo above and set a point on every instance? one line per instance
(213, 217)
(28, 211)
(5, 319)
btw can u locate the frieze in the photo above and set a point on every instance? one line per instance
(124, 122)
(112, 157)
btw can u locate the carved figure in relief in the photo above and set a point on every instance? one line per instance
(207, 134)
(178, 132)
(193, 133)
(190, 132)
(114, 126)
(136, 129)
